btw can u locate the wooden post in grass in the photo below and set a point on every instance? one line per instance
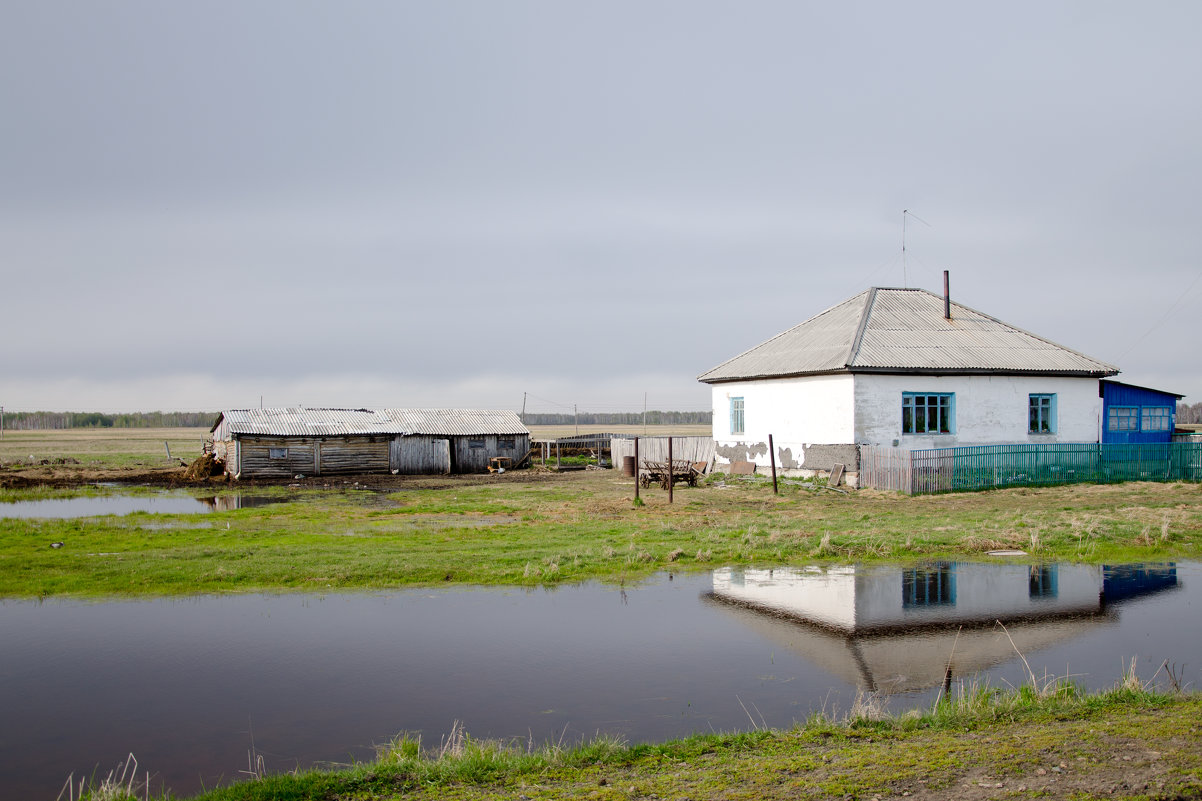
(772, 455)
(670, 481)
(636, 469)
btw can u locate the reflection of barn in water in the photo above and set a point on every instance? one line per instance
(231, 502)
(893, 630)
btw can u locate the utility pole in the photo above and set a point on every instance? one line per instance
(644, 414)
(576, 414)
(523, 417)
(1, 422)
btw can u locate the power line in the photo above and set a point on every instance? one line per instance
(905, 213)
(1181, 298)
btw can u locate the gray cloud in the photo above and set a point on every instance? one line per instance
(447, 198)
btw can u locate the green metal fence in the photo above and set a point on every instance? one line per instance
(993, 466)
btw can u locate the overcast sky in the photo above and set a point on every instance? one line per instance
(455, 203)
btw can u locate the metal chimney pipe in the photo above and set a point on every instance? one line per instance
(947, 298)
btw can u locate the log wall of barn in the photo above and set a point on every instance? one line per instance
(284, 457)
(292, 456)
(288, 456)
(352, 455)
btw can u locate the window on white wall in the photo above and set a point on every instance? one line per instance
(1156, 418)
(928, 412)
(736, 415)
(1042, 414)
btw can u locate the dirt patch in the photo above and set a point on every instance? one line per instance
(66, 476)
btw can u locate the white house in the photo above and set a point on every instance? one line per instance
(902, 367)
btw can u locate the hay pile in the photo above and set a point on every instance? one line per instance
(206, 466)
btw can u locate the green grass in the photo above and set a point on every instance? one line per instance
(1031, 742)
(575, 527)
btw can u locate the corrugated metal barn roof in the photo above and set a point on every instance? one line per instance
(299, 421)
(904, 331)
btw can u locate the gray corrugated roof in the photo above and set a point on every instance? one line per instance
(904, 331)
(306, 422)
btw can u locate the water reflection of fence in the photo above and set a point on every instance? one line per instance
(979, 467)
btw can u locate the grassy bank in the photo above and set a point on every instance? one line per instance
(526, 528)
(1036, 742)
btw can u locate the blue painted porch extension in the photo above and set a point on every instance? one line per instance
(920, 472)
(1132, 414)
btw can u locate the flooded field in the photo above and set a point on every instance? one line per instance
(191, 685)
(164, 503)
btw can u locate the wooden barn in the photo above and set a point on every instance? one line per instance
(285, 442)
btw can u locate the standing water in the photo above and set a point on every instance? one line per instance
(191, 685)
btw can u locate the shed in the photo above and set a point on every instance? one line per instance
(1134, 414)
(283, 442)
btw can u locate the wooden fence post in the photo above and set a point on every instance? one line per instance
(636, 469)
(670, 481)
(772, 456)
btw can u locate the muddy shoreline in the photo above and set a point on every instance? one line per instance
(69, 476)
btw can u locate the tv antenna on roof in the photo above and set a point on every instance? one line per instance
(905, 212)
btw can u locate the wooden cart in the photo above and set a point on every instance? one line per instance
(661, 473)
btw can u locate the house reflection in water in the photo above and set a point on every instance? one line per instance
(893, 629)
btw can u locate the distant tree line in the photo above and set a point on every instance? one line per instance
(653, 418)
(29, 421)
(1189, 413)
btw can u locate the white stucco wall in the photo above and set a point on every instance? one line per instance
(989, 410)
(814, 409)
(803, 414)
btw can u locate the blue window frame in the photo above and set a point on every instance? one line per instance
(736, 416)
(928, 412)
(1123, 418)
(1043, 582)
(1041, 414)
(1156, 418)
(929, 586)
